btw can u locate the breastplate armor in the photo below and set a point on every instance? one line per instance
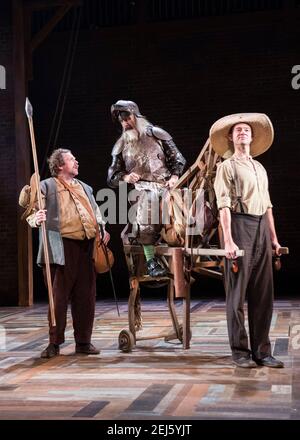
(147, 159)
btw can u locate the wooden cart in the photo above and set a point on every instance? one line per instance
(136, 265)
(196, 255)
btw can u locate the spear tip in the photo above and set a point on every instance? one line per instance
(28, 108)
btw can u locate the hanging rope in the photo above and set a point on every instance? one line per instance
(64, 86)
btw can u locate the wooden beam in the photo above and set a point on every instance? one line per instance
(25, 280)
(167, 250)
(45, 31)
(208, 272)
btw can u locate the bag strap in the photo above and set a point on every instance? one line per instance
(237, 185)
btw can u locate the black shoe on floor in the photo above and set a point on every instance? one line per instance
(244, 362)
(50, 351)
(155, 269)
(86, 349)
(270, 361)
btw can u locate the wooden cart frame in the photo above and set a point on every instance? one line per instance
(205, 260)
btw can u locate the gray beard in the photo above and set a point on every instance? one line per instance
(130, 137)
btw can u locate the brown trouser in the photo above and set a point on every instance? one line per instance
(254, 278)
(75, 281)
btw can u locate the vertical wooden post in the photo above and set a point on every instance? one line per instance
(23, 160)
(187, 318)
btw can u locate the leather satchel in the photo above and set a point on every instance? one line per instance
(102, 255)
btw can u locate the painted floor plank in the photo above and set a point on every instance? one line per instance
(157, 380)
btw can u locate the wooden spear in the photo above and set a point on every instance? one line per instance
(28, 109)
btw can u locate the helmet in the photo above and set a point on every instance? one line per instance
(125, 106)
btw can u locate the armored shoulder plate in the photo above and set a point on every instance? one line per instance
(159, 133)
(117, 148)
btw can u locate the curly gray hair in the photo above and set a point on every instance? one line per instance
(56, 160)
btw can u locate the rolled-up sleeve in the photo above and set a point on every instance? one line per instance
(222, 185)
(31, 218)
(267, 193)
(99, 217)
(268, 200)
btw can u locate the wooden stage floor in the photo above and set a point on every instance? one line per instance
(157, 380)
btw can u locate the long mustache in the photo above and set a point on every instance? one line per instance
(131, 136)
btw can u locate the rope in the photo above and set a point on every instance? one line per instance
(64, 86)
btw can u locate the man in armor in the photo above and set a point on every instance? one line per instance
(144, 156)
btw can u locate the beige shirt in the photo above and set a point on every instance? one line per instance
(253, 181)
(75, 220)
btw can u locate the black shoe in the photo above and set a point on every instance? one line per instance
(270, 361)
(51, 351)
(155, 269)
(244, 362)
(86, 349)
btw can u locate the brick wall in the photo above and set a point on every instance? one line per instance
(184, 75)
(8, 198)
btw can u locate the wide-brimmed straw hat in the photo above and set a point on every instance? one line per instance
(262, 133)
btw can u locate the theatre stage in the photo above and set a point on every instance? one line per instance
(157, 380)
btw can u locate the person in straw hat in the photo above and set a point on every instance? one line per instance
(246, 217)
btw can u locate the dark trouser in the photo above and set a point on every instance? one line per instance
(254, 278)
(76, 281)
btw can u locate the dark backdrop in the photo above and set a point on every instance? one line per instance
(184, 71)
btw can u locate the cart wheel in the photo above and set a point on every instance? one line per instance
(181, 334)
(126, 341)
